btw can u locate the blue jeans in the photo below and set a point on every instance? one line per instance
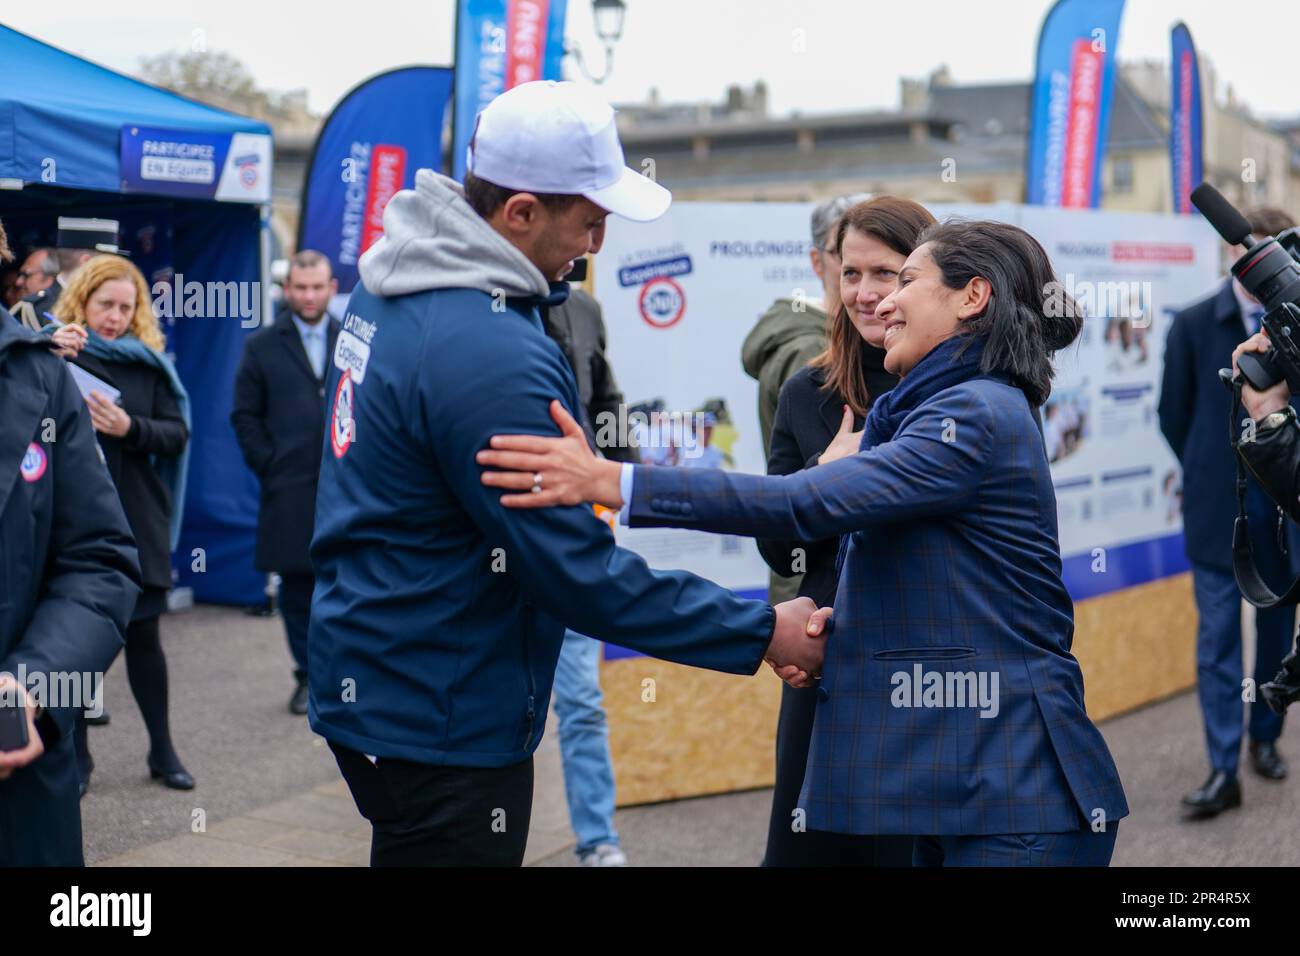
(1219, 665)
(584, 743)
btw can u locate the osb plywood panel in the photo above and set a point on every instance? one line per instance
(706, 733)
(1136, 646)
(703, 732)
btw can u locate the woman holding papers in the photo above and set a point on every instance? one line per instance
(110, 329)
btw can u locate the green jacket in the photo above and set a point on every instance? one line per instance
(784, 340)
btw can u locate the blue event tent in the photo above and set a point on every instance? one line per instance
(72, 135)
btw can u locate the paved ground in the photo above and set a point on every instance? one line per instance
(269, 792)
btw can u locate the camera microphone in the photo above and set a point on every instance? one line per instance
(1223, 216)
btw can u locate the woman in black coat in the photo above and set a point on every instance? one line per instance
(143, 436)
(824, 404)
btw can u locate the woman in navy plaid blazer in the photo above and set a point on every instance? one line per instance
(949, 703)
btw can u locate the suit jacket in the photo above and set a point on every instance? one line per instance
(68, 581)
(31, 310)
(1194, 419)
(807, 418)
(279, 421)
(956, 578)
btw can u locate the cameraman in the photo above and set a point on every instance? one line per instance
(1192, 404)
(1273, 457)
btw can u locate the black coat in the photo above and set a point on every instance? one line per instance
(1194, 419)
(157, 429)
(577, 327)
(33, 311)
(807, 418)
(279, 420)
(68, 580)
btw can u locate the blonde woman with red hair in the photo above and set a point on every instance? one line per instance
(109, 330)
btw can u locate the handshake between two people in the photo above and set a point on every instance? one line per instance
(799, 641)
(544, 471)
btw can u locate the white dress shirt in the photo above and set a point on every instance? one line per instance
(314, 342)
(1249, 307)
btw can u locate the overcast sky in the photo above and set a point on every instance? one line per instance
(856, 50)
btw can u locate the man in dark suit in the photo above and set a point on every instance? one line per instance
(1192, 409)
(278, 416)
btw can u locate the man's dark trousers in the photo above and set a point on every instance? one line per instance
(1219, 664)
(425, 815)
(295, 608)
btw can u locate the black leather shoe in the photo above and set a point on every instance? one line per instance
(298, 702)
(1266, 761)
(101, 721)
(1221, 792)
(178, 779)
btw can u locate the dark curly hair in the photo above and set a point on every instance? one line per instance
(1029, 316)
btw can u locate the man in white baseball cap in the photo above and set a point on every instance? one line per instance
(561, 139)
(439, 614)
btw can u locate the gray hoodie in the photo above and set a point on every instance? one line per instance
(433, 239)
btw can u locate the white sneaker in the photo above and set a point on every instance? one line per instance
(607, 854)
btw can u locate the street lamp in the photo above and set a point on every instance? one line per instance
(608, 17)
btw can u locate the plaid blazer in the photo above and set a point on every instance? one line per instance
(949, 702)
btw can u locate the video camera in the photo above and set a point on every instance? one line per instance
(1269, 271)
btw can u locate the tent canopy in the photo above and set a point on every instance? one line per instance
(61, 122)
(58, 106)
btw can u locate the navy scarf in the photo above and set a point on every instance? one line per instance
(949, 363)
(941, 368)
(173, 471)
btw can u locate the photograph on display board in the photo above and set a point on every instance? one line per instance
(703, 437)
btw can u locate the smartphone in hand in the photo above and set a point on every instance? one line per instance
(13, 725)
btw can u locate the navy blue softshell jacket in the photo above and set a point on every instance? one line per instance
(438, 613)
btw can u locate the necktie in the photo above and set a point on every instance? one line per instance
(314, 352)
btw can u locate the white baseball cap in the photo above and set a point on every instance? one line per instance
(552, 137)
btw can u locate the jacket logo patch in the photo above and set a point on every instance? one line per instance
(342, 423)
(351, 354)
(33, 464)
